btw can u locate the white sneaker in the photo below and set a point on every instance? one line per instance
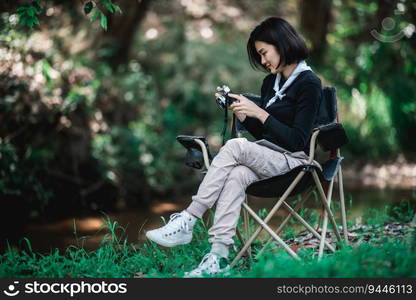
(178, 231)
(211, 264)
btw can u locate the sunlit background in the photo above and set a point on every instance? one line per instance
(88, 116)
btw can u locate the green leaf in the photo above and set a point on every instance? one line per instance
(117, 8)
(104, 21)
(109, 7)
(88, 7)
(27, 14)
(31, 11)
(95, 15)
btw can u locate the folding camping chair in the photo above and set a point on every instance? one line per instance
(330, 135)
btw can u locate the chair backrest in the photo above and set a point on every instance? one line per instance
(327, 112)
(332, 134)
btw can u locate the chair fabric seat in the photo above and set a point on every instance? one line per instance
(331, 167)
(276, 186)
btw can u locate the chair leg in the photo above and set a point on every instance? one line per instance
(239, 236)
(325, 203)
(285, 221)
(308, 227)
(269, 216)
(271, 232)
(342, 200)
(293, 212)
(325, 221)
(247, 226)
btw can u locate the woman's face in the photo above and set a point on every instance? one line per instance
(270, 58)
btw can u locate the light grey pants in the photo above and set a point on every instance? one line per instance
(238, 164)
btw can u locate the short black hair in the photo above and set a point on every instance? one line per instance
(278, 32)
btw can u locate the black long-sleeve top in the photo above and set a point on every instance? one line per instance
(291, 119)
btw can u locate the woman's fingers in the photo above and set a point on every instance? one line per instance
(237, 108)
(235, 96)
(235, 105)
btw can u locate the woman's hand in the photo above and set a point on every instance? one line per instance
(240, 116)
(245, 106)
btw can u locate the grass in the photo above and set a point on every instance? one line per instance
(381, 257)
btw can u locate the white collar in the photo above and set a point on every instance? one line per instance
(302, 66)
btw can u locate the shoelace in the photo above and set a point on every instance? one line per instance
(206, 258)
(183, 223)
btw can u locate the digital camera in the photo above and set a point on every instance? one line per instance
(224, 100)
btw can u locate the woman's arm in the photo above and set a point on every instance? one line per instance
(295, 137)
(254, 122)
(254, 127)
(250, 115)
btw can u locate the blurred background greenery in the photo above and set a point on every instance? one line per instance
(92, 97)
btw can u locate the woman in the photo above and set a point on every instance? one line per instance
(290, 97)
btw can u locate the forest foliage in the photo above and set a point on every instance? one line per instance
(93, 93)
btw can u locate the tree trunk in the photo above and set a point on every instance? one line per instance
(122, 28)
(315, 18)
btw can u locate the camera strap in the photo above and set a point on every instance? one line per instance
(233, 127)
(224, 128)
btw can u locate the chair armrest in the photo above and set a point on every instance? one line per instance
(328, 127)
(198, 153)
(331, 136)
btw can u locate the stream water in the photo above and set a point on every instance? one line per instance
(89, 233)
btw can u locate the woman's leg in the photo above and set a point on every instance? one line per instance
(228, 208)
(178, 231)
(263, 161)
(215, 178)
(254, 162)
